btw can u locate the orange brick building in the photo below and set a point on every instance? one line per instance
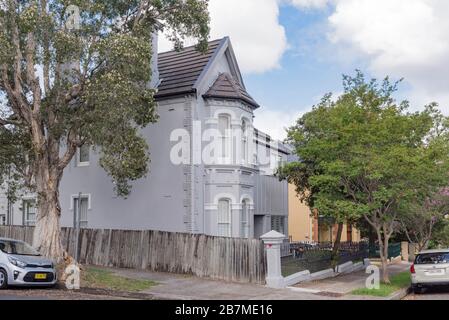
(305, 226)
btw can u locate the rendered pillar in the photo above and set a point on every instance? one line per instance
(272, 241)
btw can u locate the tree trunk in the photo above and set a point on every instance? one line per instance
(47, 233)
(422, 245)
(385, 275)
(383, 252)
(371, 242)
(336, 247)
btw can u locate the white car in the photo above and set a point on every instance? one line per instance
(21, 265)
(431, 268)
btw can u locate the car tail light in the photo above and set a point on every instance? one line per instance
(412, 269)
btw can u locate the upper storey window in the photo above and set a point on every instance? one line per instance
(224, 127)
(83, 156)
(244, 142)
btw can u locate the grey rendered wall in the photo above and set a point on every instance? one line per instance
(156, 202)
(17, 213)
(271, 199)
(220, 181)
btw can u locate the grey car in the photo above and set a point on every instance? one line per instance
(431, 268)
(21, 265)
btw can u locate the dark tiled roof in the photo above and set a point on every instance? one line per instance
(179, 70)
(226, 87)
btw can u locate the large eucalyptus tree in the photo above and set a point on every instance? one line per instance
(78, 72)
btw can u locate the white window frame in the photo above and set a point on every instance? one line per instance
(244, 219)
(26, 221)
(224, 219)
(245, 139)
(83, 195)
(225, 138)
(80, 163)
(83, 223)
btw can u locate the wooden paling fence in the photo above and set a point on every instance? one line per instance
(229, 259)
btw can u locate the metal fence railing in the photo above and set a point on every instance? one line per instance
(394, 250)
(318, 256)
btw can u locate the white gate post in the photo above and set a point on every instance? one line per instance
(272, 241)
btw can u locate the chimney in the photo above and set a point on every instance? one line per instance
(154, 61)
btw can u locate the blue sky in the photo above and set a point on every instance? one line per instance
(292, 52)
(305, 72)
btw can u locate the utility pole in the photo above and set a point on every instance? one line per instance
(9, 216)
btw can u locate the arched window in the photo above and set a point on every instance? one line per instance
(224, 126)
(244, 142)
(244, 226)
(224, 218)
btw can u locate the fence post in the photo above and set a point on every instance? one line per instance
(412, 248)
(404, 251)
(272, 241)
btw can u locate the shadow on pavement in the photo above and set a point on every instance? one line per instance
(436, 290)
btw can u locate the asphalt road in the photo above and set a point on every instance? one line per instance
(438, 293)
(49, 294)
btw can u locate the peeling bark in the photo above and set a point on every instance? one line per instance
(47, 233)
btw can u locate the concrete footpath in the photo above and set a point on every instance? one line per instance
(345, 284)
(179, 287)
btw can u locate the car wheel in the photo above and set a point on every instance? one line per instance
(418, 290)
(3, 279)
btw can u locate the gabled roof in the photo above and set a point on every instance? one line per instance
(179, 71)
(226, 87)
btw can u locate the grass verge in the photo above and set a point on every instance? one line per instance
(398, 282)
(105, 279)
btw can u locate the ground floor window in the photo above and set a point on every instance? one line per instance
(244, 226)
(29, 212)
(224, 218)
(278, 224)
(83, 204)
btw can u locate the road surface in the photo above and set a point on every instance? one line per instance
(438, 293)
(49, 294)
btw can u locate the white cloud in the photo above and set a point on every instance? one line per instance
(274, 123)
(259, 40)
(310, 4)
(401, 38)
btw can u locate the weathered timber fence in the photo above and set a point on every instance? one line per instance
(229, 259)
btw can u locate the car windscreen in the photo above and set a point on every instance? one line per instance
(432, 258)
(18, 248)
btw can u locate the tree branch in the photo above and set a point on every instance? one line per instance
(72, 144)
(32, 80)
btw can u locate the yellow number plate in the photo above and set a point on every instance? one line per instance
(40, 276)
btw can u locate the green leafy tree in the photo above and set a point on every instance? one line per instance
(363, 154)
(440, 238)
(67, 80)
(420, 219)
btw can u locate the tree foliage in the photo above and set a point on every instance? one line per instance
(86, 85)
(363, 154)
(421, 219)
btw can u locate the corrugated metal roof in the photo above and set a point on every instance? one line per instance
(226, 87)
(179, 70)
